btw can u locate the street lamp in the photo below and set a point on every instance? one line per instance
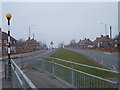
(105, 28)
(30, 30)
(8, 16)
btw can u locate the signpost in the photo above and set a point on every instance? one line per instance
(51, 44)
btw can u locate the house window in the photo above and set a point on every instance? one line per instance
(0, 49)
(13, 48)
(10, 42)
(5, 41)
(0, 41)
(5, 49)
(115, 40)
(13, 42)
(10, 48)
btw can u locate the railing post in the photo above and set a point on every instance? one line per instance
(5, 69)
(43, 64)
(118, 77)
(9, 70)
(119, 81)
(21, 62)
(119, 63)
(53, 66)
(73, 74)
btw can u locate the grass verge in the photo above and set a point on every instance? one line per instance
(79, 58)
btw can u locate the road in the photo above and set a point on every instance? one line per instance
(40, 78)
(1, 66)
(23, 61)
(109, 59)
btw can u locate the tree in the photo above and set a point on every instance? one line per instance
(20, 44)
(73, 43)
(61, 45)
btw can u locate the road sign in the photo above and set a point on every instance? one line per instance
(51, 43)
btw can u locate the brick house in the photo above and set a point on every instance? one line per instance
(103, 42)
(86, 43)
(117, 41)
(5, 44)
(0, 42)
(31, 45)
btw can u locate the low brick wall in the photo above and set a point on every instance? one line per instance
(108, 49)
(101, 49)
(17, 52)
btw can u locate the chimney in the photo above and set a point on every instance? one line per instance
(101, 35)
(85, 38)
(33, 36)
(28, 37)
(107, 36)
(111, 32)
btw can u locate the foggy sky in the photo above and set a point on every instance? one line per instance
(60, 22)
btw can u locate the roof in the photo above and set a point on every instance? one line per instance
(5, 36)
(85, 41)
(31, 41)
(103, 38)
(117, 37)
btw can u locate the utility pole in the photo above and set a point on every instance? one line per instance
(29, 33)
(8, 16)
(105, 28)
(30, 30)
(33, 36)
(111, 32)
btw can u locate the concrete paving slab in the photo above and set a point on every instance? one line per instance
(5, 83)
(42, 79)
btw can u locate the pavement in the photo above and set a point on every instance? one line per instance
(6, 83)
(42, 79)
(0, 80)
(106, 58)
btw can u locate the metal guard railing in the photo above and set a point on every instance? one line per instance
(19, 79)
(76, 78)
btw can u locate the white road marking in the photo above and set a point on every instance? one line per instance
(114, 67)
(107, 53)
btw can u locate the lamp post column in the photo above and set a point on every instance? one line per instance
(8, 16)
